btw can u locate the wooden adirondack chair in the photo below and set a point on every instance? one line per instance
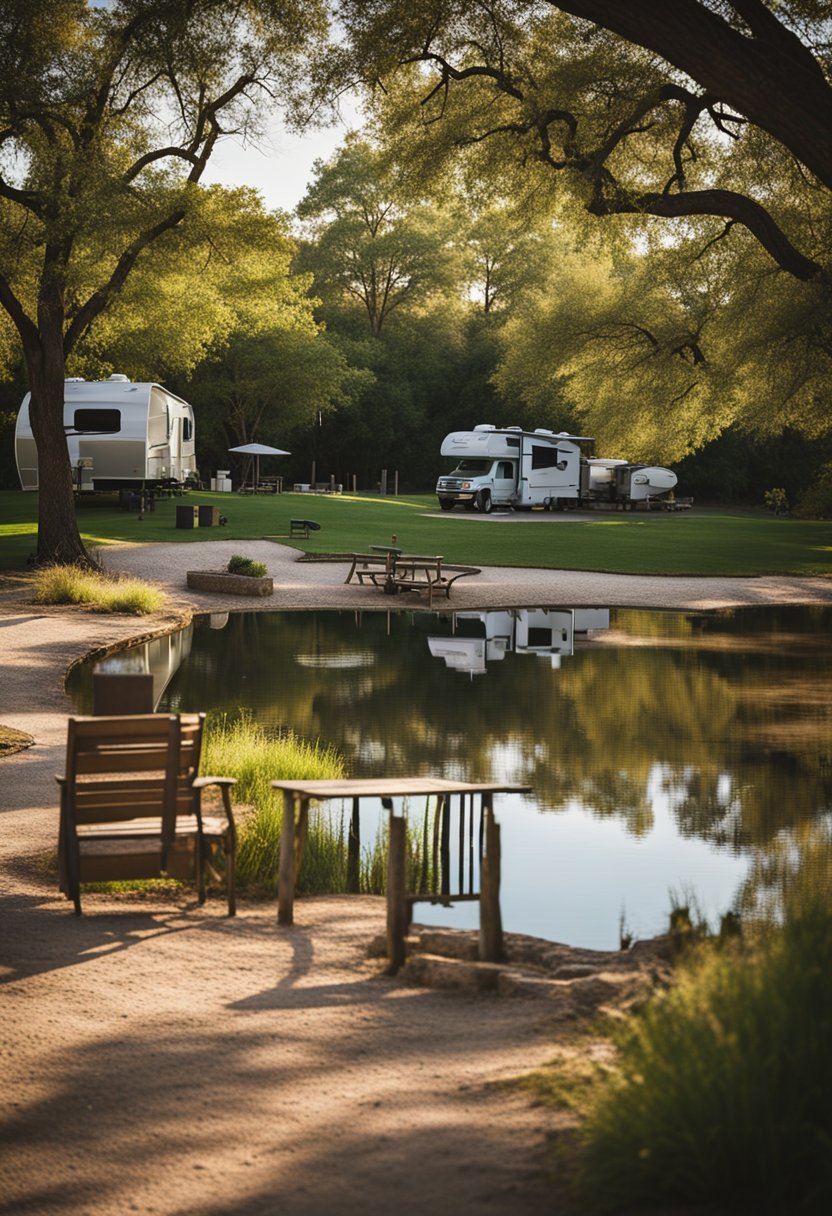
(131, 804)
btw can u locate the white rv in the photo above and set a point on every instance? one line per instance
(120, 435)
(510, 467)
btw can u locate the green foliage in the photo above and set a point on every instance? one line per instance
(73, 585)
(373, 244)
(721, 1095)
(246, 566)
(242, 749)
(776, 501)
(816, 501)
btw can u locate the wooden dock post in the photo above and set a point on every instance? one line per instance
(396, 902)
(491, 921)
(354, 850)
(286, 869)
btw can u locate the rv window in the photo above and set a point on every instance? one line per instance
(511, 442)
(544, 458)
(539, 636)
(473, 466)
(505, 469)
(97, 422)
(187, 429)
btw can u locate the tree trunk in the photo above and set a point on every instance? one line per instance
(58, 537)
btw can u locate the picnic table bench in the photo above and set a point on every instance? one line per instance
(298, 527)
(407, 572)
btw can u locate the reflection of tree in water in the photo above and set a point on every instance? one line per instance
(701, 710)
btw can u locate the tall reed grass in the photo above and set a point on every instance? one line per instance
(74, 585)
(241, 748)
(722, 1094)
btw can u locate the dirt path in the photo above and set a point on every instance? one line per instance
(157, 1057)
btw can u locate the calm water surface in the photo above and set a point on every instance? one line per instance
(671, 754)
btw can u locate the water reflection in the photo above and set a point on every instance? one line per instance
(483, 637)
(665, 749)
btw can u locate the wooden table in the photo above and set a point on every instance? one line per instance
(298, 794)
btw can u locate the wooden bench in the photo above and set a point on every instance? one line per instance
(372, 566)
(298, 527)
(131, 804)
(428, 574)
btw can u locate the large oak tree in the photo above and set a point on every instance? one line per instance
(108, 118)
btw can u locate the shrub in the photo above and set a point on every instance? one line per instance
(74, 585)
(246, 566)
(722, 1092)
(816, 501)
(776, 501)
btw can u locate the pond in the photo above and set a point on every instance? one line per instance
(672, 755)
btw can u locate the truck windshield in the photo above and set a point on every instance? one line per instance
(473, 466)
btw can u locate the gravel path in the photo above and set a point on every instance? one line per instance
(160, 1058)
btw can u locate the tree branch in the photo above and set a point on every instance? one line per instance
(99, 300)
(726, 203)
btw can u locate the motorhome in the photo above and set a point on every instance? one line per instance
(120, 435)
(512, 468)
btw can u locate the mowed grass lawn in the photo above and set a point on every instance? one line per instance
(723, 542)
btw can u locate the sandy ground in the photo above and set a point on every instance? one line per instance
(157, 1057)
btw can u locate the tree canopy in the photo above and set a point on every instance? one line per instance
(108, 118)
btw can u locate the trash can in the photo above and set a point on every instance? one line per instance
(187, 517)
(209, 517)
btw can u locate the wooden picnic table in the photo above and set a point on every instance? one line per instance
(297, 796)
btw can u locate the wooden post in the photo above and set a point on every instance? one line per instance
(301, 835)
(396, 484)
(354, 850)
(286, 871)
(491, 923)
(396, 903)
(383, 486)
(354, 484)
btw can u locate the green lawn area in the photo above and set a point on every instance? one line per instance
(727, 542)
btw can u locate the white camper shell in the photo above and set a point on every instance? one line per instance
(512, 468)
(119, 435)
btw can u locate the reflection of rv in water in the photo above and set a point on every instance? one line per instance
(483, 637)
(160, 657)
(120, 436)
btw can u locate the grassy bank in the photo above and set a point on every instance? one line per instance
(696, 542)
(720, 1094)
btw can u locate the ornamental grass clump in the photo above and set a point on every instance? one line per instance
(75, 585)
(721, 1093)
(243, 749)
(246, 566)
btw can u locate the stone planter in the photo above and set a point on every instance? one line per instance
(220, 582)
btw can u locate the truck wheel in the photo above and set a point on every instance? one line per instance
(484, 502)
(447, 504)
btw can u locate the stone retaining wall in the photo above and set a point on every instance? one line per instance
(223, 583)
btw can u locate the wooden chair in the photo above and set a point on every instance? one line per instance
(131, 804)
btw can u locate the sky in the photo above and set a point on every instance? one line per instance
(281, 167)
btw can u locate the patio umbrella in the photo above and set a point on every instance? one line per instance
(257, 450)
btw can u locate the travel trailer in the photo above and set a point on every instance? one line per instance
(510, 467)
(120, 436)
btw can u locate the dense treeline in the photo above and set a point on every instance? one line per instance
(555, 216)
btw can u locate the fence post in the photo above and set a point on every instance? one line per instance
(383, 486)
(396, 904)
(491, 923)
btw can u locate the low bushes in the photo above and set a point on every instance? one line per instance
(246, 566)
(74, 585)
(721, 1093)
